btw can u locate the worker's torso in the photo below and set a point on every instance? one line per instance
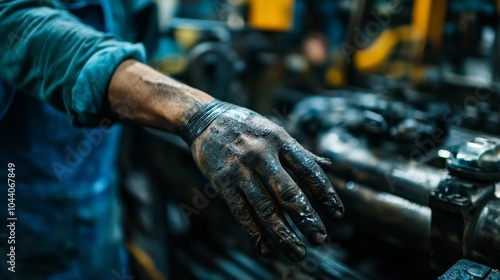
(68, 222)
(52, 157)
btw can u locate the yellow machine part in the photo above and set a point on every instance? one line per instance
(426, 29)
(428, 22)
(271, 15)
(375, 56)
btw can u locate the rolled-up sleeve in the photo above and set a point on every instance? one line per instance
(50, 54)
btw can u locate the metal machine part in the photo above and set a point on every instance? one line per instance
(467, 270)
(402, 198)
(396, 175)
(386, 214)
(458, 200)
(455, 207)
(389, 215)
(454, 212)
(478, 159)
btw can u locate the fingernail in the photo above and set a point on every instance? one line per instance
(317, 238)
(297, 252)
(338, 214)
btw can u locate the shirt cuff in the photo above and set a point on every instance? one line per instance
(93, 81)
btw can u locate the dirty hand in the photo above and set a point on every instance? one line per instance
(243, 155)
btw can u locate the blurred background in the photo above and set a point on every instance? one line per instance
(402, 95)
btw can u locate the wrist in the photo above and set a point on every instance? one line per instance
(200, 121)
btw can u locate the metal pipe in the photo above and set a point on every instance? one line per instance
(355, 162)
(390, 215)
(385, 213)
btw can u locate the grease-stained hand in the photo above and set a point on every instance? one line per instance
(244, 156)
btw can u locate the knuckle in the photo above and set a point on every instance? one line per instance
(265, 209)
(272, 169)
(290, 194)
(309, 167)
(280, 135)
(220, 179)
(244, 217)
(282, 132)
(253, 155)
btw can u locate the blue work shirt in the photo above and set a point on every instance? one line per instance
(55, 69)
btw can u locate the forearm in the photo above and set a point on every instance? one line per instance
(137, 93)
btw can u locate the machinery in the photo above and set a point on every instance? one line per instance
(405, 173)
(405, 103)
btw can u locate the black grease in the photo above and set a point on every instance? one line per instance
(202, 119)
(241, 144)
(309, 172)
(325, 163)
(269, 216)
(296, 204)
(242, 212)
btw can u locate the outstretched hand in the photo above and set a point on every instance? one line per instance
(244, 156)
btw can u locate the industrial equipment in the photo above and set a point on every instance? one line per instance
(406, 104)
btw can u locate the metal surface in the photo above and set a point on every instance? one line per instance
(452, 213)
(354, 161)
(386, 214)
(392, 216)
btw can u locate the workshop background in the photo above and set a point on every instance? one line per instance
(402, 95)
